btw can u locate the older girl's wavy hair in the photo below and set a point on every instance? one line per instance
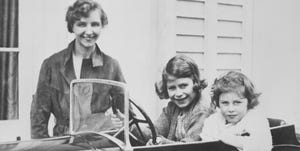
(235, 82)
(180, 66)
(82, 8)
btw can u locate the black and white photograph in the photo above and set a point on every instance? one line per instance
(149, 75)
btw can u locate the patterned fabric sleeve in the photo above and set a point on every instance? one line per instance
(196, 126)
(162, 124)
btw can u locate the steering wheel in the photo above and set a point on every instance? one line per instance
(133, 120)
(147, 120)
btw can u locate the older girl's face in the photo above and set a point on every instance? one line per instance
(233, 107)
(181, 91)
(87, 30)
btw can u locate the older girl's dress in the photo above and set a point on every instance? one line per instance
(175, 125)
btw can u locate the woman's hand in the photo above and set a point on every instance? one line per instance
(117, 119)
(160, 140)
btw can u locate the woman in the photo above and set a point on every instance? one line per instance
(81, 59)
(237, 123)
(183, 117)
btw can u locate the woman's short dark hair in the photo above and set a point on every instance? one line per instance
(236, 82)
(82, 8)
(180, 66)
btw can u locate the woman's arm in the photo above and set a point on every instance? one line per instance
(41, 105)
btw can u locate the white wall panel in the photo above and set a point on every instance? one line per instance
(197, 57)
(229, 28)
(229, 61)
(189, 43)
(228, 11)
(189, 26)
(276, 56)
(235, 2)
(225, 44)
(190, 8)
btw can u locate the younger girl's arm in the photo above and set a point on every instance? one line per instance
(233, 139)
(252, 137)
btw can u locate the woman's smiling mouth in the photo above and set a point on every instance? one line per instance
(231, 116)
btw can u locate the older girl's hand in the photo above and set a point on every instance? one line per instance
(160, 140)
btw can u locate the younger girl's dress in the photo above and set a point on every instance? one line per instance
(253, 129)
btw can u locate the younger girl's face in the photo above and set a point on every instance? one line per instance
(233, 107)
(181, 91)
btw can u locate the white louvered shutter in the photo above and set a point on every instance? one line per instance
(215, 33)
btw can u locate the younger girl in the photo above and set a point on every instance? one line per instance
(237, 123)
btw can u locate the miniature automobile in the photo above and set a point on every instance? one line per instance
(91, 128)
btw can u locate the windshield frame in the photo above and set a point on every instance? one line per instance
(126, 105)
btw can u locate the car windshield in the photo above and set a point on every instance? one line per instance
(92, 104)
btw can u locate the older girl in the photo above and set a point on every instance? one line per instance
(237, 123)
(182, 119)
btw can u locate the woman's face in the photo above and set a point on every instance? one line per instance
(87, 30)
(233, 107)
(181, 91)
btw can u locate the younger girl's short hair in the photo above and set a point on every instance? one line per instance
(180, 66)
(82, 8)
(235, 82)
